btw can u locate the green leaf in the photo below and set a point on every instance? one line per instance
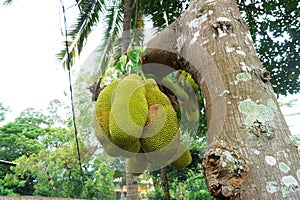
(121, 64)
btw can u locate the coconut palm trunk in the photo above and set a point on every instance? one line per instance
(131, 180)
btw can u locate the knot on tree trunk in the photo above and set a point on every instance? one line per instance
(225, 171)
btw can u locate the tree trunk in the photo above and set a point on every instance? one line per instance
(250, 153)
(165, 183)
(126, 26)
(131, 181)
(131, 186)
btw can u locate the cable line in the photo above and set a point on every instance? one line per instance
(72, 100)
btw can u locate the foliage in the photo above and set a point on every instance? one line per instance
(58, 114)
(100, 185)
(185, 183)
(47, 159)
(19, 139)
(3, 110)
(163, 13)
(131, 61)
(273, 24)
(31, 116)
(57, 174)
(275, 27)
(88, 17)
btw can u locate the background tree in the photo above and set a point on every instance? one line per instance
(3, 111)
(44, 147)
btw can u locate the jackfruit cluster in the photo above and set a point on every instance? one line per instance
(135, 120)
(187, 91)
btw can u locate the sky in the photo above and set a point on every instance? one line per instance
(30, 75)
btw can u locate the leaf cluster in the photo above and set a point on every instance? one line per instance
(275, 27)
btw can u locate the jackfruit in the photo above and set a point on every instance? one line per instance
(192, 83)
(175, 88)
(129, 113)
(154, 95)
(138, 164)
(101, 118)
(183, 157)
(190, 109)
(103, 105)
(180, 75)
(192, 116)
(161, 135)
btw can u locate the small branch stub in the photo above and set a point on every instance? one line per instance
(95, 89)
(225, 171)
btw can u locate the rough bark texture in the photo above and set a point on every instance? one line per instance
(126, 25)
(131, 186)
(250, 153)
(131, 181)
(165, 183)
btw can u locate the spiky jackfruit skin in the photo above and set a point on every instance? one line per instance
(129, 113)
(161, 134)
(192, 83)
(154, 95)
(162, 127)
(103, 105)
(137, 164)
(101, 118)
(107, 145)
(175, 88)
(183, 157)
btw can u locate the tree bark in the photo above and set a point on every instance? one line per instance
(165, 183)
(131, 180)
(126, 38)
(250, 153)
(131, 186)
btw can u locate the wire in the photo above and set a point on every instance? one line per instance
(72, 100)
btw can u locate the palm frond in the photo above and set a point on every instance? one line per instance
(7, 2)
(137, 34)
(88, 17)
(163, 12)
(111, 44)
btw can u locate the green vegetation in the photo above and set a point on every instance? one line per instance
(41, 143)
(47, 162)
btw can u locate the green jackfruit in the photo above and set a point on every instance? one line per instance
(191, 110)
(161, 135)
(192, 83)
(103, 105)
(192, 116)
(129, 113)
(181, 75)
(101, 118)
(175, 88)
(138, 164)
(154, 95)
(183, 157)
(107, 145)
